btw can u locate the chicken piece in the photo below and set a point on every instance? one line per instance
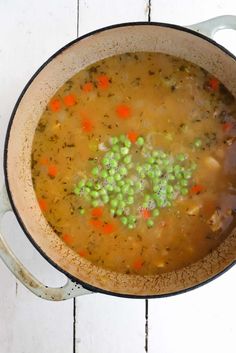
(216, 220)
(212, 163)
(194, 209)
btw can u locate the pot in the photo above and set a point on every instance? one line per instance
(84, 277)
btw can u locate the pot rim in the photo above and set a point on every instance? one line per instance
(7, 138)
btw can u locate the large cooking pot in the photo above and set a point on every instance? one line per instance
(83, 277)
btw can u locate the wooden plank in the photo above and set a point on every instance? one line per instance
(29, 33)
(202, 320)
(107, 324)
(94, 14)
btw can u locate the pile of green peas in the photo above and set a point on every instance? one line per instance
(127, 188)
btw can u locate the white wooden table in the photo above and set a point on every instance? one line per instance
(199, 321)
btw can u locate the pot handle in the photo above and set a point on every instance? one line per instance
(68, 291)
(213, 25)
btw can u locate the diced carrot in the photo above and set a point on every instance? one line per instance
(67, 239)
(52, 170)
(227, 127)
(138, 264)
(82, 252)
(103, 82)
(145, 213)
(87, 87)
(96, 223)
(214, 83)
(132, 136)
(43, 161)
(123, 111)
(196, 189)
(97, 212)
(69, 100)
(55, 105)
(87, 125)
(108, 228)
(43, 204)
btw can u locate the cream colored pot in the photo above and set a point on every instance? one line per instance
(82, 275)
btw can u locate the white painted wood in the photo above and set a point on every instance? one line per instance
(94, 14)
(184, 12)
(202, 320)
(107, 324)
(30, 31)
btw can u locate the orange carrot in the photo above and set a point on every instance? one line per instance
(138, 264)
(123, 111)
(227, 127)
(67, 239)
(97, 212)
(196, 189)
(214, 83)
(108, 228)
(52, 170)
(103, 82)
(87, 125)
(43, 161)
(82, 253)
(55, 105)
(43, 204)
(96, 223)
(132, 136)
(145, 213)
(69, 100)
(87, 87)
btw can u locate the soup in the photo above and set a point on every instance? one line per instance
(133, 163)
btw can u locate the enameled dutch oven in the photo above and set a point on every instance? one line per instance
(83, 277)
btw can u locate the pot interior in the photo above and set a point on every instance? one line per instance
(116, 40)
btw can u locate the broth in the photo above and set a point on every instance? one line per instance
(133, 163)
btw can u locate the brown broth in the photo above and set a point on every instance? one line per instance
(172, 102)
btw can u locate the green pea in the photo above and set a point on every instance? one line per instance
(147, 197)
(184, 182)
(110, 154)
(114, 203)
(105, 161)
(197, 142)
(110, 179)
(193, 166)
(102, 192)
(127, 143)
(109, 187)
(184, 191)
(151, 160)
(81, 183)
(117, 189)
(105, 199)
(160, 202)
(117, 156)
(124, 220)
(87, 190)
(94, 194)
(171, 177)
(104, 174)
(151, 174)
(155, 213)
(181, 157)
(156, 187)
(155, 154)
(145, 204)
(98, 186)
(125, 189)
(158, 172)
(165, 162)
(168, 203)
(119, 212)
(131, 226)
(147, 167)
(112, 211)
(140, 141)
(177, 168)
(131, 219)
(139, 169)
(169, 188)
(127, 159)
(178, 175)
(121, 182)
(130, 191)
(123, 170)
(82, 211)
(130, 200)
(119, 197)
(122, 138)
(77, 191)
(115, 148)
(162, 154)
(113, 163)
(114, 140)
(138, 185)
(187, 174)
(89, 184)
(169, 169)
(95, 171)
(124, 151)
(112, 171)
(121, 204)
(150, 223)
(170, 196)
(95, 203)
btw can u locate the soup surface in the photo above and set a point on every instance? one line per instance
(133, 163)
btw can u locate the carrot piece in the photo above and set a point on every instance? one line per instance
(196, 189)
(69, 100)
(103, 82)
(132, 136)
(214, 84)
(108, 228)
(96, 223)
(52, 170)
(87, 125)
(43, 204)
(227, 127)
(145, 213)
(67, 239)
(43, 161)
(55, 105)
(138, 264)
(123, 111)
(87, 87)
(82, 252)
(97, 212)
